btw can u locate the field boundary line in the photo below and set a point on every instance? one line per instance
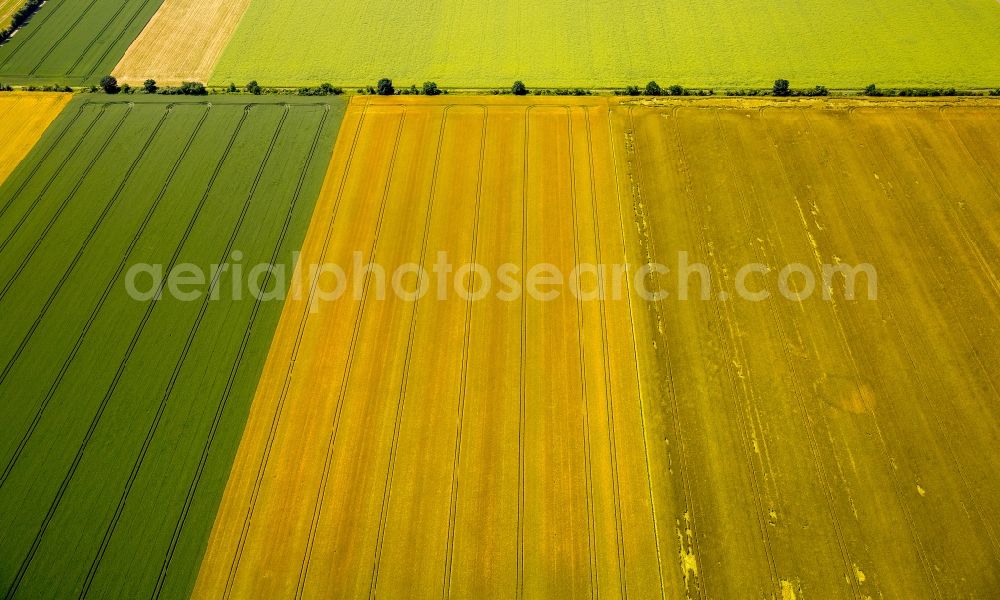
(806, 417)
(276, 419)
(348, 371)
(463, 385)
(182, 359)
(80, 339)
(237, 363)
(909, 355)
(671, 389)
(114, 384)
(842, 336)
(62, 166)
(595, 589)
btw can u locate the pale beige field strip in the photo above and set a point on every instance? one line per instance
(677, 449)
(182, 42)
(24, 117)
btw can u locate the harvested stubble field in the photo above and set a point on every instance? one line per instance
(73, 41)
(561, 43)
(701, 448)
(121, 414)
(23, 120)
(182, 42)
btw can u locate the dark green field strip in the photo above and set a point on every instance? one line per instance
(125, 415)
(74, 41)
(51, 221)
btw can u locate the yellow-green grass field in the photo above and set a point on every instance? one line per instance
(711, 43)
(121, 413)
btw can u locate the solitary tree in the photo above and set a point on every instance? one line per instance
(431, 89)
(632, 90)
(385, 88)
(653, 89)
(676, 90)
(110, 85)
(254, 88)
(149, 86)
(519, 89)
(872, 90)
(782, 88)
(232, 88)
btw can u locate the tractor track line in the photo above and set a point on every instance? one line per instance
(595, 589)
(463, 385)
(519, 592)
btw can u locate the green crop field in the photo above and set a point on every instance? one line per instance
(121, 417)
(73, 42)
(711, 43)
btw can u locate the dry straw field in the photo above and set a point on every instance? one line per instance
(182, 42)
(703, 448)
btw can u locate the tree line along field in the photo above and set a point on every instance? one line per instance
(785, 448)
(182, 42)
(73, 42)
(121, 415)
(23, 120)
(604, 44)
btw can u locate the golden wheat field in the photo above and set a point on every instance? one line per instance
(480, 446)
(24, 118)
(182, 42)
